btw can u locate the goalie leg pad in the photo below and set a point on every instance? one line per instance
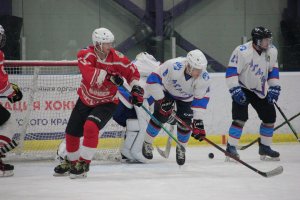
(132, 130)
(128, 143)
(136, 150)
(133, 125)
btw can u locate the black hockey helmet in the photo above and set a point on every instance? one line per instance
(2, 37)
(259, 33)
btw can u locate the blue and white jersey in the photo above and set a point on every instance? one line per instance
(170, 77)
(252, 71)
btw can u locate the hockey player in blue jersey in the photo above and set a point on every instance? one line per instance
(185, 82)
(252, 77)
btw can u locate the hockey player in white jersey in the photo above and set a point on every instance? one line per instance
(252, 77)
(185, 82)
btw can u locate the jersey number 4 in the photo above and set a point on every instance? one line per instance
(234, 59)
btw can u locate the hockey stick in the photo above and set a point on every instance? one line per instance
(277, 127)
(248, 145)
(285, 118)
(166, 152)
(158, 122)
(278, 170)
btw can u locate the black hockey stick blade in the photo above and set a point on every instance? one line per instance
(166, 152)
(278, 170)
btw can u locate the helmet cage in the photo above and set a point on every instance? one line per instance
(260, 36)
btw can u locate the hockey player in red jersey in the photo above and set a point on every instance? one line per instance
(13, 94)
(102, 68)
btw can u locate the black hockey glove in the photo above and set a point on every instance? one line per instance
(166, 106)
(117, 80)
(198, 130)
(16, 95)
(137, 94)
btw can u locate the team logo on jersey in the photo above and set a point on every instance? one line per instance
(243, 47)
(177, 66)
(165, 72)
(205, 76)
(119, 54)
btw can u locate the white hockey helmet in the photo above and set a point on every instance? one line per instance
(2, 37)
(196, 59)
(102, 35)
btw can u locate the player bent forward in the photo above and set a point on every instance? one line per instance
(185, 82)
(101, 67)
(253, 78)
(7, 121)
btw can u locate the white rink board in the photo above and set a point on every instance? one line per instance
(54, 102)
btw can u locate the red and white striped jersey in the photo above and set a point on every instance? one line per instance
(92, 90)
(5, 86)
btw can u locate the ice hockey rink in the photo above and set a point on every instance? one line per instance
(199, 179)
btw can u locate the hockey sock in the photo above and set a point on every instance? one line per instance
(90, 141)
(72, 147)
(152, 131)
(266, 133)
(235, 132)
(8, 147)
(183, 134)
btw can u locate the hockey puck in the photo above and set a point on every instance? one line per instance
(211, 155)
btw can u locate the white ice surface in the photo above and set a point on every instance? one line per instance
(200, 178)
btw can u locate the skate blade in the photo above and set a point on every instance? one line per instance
(78, 176)
(61, 175)
(6, 173)
(267, 158)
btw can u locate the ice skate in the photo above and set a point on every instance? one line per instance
(180, 156)
(147, 150)
(5, 169)
(266, 153)
(232, 151)
(79, 170)
(63, 168)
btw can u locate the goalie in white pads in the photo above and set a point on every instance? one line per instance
(7, 121)
(252, 77)
(135, 119)
(184, 81)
